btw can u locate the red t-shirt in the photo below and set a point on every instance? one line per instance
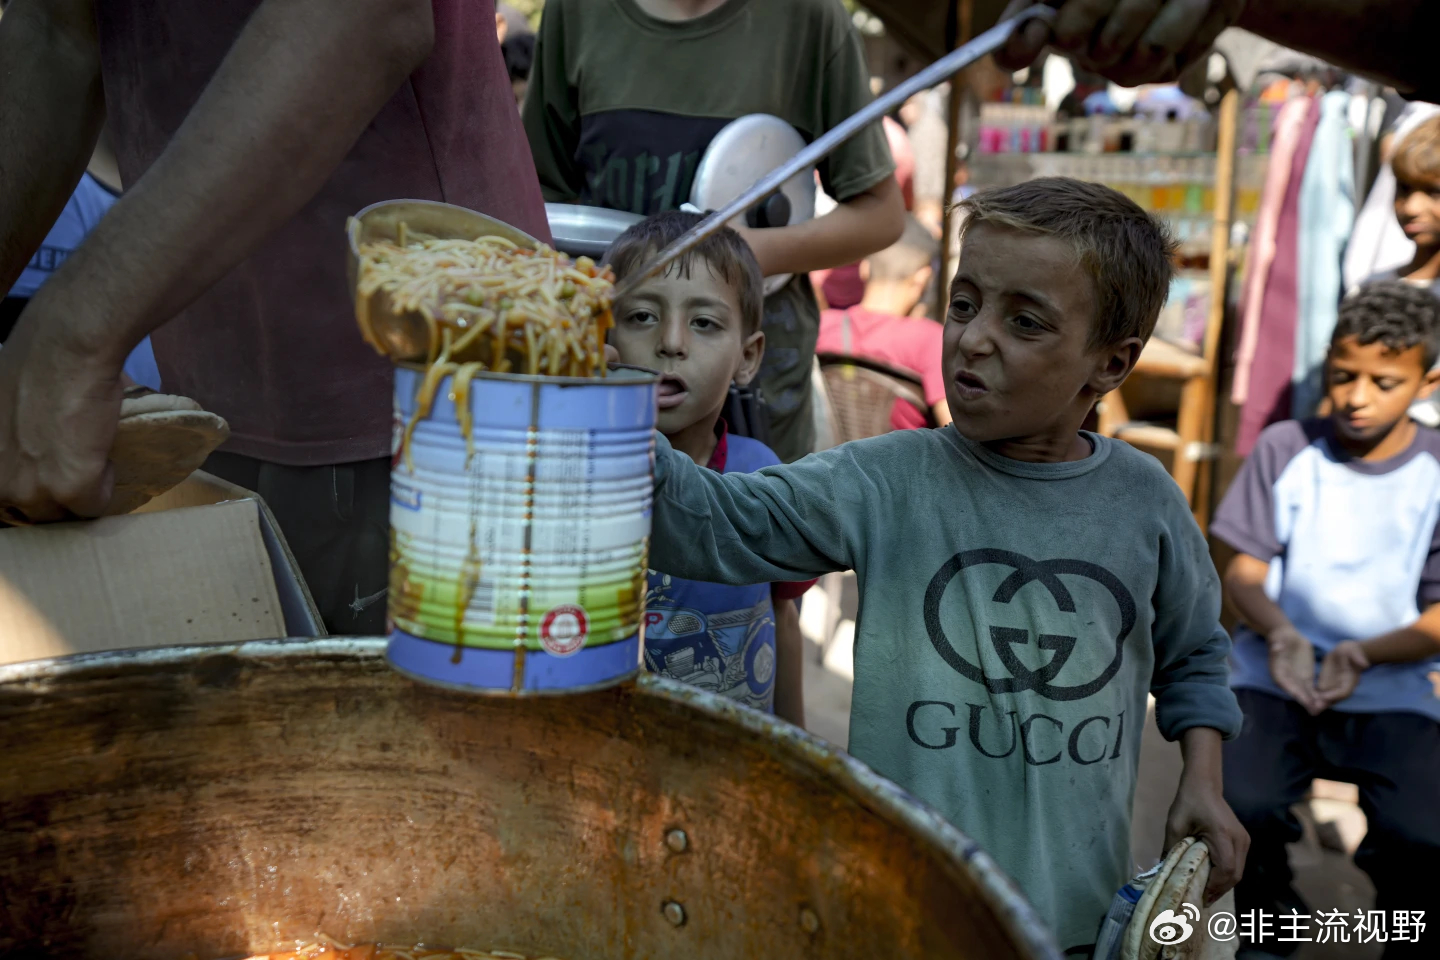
(273, 346)
(910, 343)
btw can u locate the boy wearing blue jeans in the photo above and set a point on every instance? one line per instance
(698, 324)
(1023, 584)
(1337, 521)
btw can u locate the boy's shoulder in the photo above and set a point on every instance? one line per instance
(1427, 440)
(1143, 477)
(1281, 442)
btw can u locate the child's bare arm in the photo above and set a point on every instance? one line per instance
(789, 670)
(1292, 658)
(1200, 811)
(1340, 673)
(1245, 589)
(858, 227)
(1419, 641)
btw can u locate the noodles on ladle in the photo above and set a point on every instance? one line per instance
(487, 304)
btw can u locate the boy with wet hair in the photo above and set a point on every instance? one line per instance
(1337, 521)
(1023, 584)
(698, 324)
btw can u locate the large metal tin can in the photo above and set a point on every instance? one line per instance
(518, 555)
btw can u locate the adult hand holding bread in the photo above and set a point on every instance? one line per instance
(59, 405)
(74, 442)
(159, 441)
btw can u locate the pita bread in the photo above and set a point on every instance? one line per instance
(150, 402)
(159, 441)
(1184, 884)
(1180, 879)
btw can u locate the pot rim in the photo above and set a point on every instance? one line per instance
(855, 779)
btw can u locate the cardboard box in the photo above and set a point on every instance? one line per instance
(203, 563)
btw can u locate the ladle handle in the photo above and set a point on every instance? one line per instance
(939, 71)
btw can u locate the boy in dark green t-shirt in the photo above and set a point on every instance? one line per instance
(625, 96)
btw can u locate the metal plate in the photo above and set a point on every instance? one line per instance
(583, 231)
(741, 153)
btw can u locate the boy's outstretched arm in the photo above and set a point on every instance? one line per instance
(1200, 811)
(1292, 657)
(782, 523)
(1340, 673)
(789, 668)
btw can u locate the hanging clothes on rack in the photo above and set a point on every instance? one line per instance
(1288, 124)
(1267, 395)
(1327, 215)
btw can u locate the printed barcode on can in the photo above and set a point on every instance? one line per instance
(481, 609)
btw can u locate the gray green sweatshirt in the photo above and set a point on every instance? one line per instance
(1012, 618)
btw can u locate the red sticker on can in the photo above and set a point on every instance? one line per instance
(564, 629)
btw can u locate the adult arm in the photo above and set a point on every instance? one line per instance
(942, 413)
(50, 116)
(297, 88)
(1388, 40)
(1138, 41)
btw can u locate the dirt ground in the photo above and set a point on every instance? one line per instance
(1325, 876)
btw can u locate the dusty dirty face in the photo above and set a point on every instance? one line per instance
(1017, 355)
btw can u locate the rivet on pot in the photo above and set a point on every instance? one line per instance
(674, 912)
(809, 922)
(677, 841)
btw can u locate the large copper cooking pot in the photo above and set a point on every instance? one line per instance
(221, 801)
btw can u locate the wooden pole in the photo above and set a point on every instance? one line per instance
(959, 28)
(1195, 460)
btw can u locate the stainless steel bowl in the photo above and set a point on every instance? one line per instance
(227, 800)
(583, 231)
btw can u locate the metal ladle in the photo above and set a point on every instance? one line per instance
(939, 71)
